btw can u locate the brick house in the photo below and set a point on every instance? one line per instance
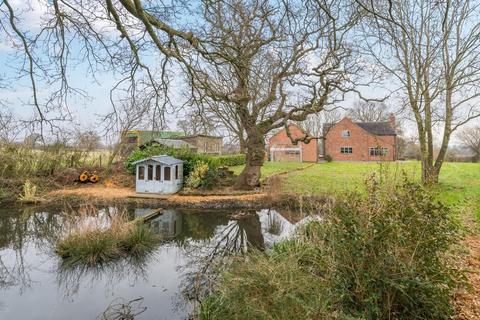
(360, 141)
(281, 148)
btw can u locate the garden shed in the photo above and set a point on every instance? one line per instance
(159, 174)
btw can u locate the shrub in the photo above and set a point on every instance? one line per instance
(202, 176)
(29, 192)
(328, 158)
(380, 255)
(196, 176)
(389, 253)
(184, 154)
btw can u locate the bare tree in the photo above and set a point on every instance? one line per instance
(9, 127)
(129, 115)
(99, 34)
(369, 111)
(248, 57)
(315, 123)
(196, 123)
(471, 138)
(224, 115)
(255, 54)
(431, 48)
(88, 140)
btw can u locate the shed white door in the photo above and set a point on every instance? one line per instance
(149, 182)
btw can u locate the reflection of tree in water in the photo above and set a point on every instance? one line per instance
(35, 231)
(134, 269)
(120, 309)
(204, 257)
(20, 231)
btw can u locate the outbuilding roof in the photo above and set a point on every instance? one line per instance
(174, 143)
(164, 159)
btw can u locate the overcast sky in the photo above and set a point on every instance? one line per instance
(18, 91)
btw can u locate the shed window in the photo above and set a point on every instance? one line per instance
(158, 172)
(141, 173)
(176, 172)
(150, 172)
(346, 133)
(346, 150)
(166, 174)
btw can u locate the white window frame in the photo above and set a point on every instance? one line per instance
(346, 150)
(346, 134)
(378, 151)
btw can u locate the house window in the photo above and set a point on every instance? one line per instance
(292, 151)
(374, 152)
(346, 150)
(150, 172)
(346, 133)
(176, 172)
(158, 172)
(141, 173)
(166, 174)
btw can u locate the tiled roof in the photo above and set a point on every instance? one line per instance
(377, 128)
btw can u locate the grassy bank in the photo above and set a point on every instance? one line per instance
(384, 253)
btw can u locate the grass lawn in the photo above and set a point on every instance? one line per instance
(271, 168)
(459, 182)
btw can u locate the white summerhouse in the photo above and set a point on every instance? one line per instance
(159, 174)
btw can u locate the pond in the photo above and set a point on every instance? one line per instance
(164, 285)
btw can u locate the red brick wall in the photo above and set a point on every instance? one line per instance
(309, 150)
(360, 140)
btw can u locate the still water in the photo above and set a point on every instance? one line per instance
(164, 285)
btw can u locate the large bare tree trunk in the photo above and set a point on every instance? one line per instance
(250, 176)
(253, 230)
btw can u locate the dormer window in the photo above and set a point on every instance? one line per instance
(346, 133)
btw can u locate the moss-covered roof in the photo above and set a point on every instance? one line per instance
(146, 136)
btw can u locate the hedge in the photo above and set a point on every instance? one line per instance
(184, 154)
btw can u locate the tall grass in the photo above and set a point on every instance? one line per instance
(383, 254)
(91, 239)
(22, 161)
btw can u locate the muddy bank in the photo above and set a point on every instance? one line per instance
(103, 195)
(108, 194)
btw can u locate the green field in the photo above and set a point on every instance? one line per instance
(459, 182)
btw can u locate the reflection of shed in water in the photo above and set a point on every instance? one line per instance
(168, 224)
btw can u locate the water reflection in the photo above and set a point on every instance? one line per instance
(178, 272)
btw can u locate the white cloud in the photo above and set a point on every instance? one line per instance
(30, 12)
